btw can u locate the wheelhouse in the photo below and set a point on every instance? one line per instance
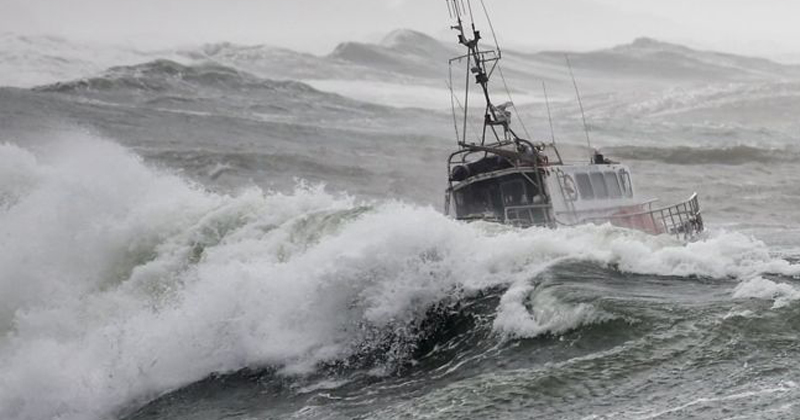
(500, 184)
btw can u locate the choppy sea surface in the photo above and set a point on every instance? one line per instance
(188, 238)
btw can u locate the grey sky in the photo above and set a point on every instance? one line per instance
(764, 27)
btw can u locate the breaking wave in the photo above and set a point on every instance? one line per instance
(684, 155)
(28, 61)
(121, 282)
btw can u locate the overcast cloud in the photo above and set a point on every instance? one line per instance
(765, 27)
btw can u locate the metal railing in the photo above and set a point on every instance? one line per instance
(683, 220)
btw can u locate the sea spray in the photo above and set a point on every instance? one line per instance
(121, 282)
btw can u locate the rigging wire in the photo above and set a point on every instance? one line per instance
(452, 101)
(471, 124)
(514, 106)
(500, 70)
(491, 27)
(550, 119)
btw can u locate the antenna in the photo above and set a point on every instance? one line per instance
(580, 104)
(471, 16)
(550, 118)
(455, 8)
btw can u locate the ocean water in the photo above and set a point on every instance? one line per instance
(190, 241)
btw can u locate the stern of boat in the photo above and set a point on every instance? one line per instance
(683, 220)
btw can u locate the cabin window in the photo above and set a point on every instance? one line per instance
(599, 185)
(513, 193)
(479, 199)
(584, 186)
(613, 185)
(625, 182)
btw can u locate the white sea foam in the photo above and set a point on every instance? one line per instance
(782, 294)
(119, 282)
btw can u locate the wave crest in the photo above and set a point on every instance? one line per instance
(160, 76)
(121, 282)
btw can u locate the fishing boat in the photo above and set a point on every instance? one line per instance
(504, 178)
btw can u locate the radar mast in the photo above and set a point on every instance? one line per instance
(481, 64)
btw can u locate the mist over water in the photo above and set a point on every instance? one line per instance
(201, 234)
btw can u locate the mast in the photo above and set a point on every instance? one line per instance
(480, 64)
